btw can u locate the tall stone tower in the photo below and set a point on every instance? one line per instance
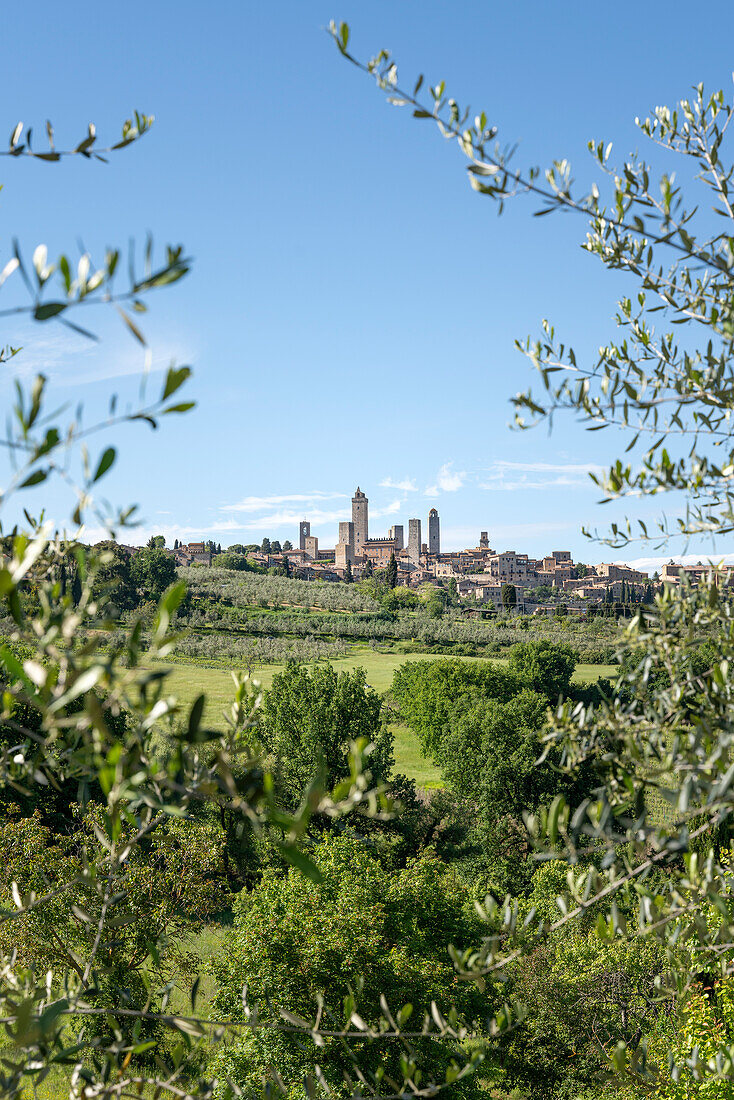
(345, 546)
(434, 533)
(414, 540)
(304, 532)
(359, 519)
(312, 547)
(396, 534)
(484, 540)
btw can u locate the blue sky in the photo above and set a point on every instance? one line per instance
(352, 308)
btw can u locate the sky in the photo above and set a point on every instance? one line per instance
(352, 308)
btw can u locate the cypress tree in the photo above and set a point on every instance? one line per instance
(348, 578)
(391, 573)
(76, 588)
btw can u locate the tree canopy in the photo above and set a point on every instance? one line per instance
(311, 717)
(359, 937)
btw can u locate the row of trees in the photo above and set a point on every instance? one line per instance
(249, 589)
(272, 546)
(431, 624)
(249, 652)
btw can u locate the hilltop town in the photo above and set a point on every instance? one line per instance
(480, 573)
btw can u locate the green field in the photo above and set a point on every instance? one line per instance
(186, 681)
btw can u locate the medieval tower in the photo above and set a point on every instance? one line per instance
(414, 540)
(396, 534)
(344, 551)
(304, 531)
(359, 519)
(434, 533)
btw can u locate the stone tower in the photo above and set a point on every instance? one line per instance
(359, 519)
(312, 547)
(434, 533)
(414, 540)
(304, 532)
(396, 534)
(484, 540)
(345, 547)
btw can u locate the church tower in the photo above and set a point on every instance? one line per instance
(359, 519)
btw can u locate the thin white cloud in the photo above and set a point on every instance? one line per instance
(542, 467)
(138, 536)
(258, 504)
(504, 476)
(283, 518)
(448, 480)
(67, 359)
(407, 485)
(322, 520)
(388, 510)
(656, 562)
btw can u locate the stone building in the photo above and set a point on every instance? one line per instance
(484, 540)
(510, 567)
(201, 557)
(344, 552)
(673, 573)
(378, 551)
(414, 540)
(304, 532)
(396, 534)
(613, 572)
(434, 533)
(196, 553)
(360, 505)
(346, 535)
(311, 547)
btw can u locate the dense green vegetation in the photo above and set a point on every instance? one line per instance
(362, 933)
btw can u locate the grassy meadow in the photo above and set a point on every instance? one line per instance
(187, 680)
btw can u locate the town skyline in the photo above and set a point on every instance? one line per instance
(325, 512)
